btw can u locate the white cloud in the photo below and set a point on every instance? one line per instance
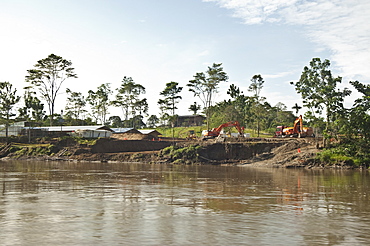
(278, 75)
(341, 26)
(204, 53)
(256, 12)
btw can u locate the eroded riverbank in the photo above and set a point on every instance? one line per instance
(269, 152)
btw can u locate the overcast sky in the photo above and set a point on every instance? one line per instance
(159, 41)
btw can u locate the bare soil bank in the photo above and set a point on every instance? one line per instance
(271, 152)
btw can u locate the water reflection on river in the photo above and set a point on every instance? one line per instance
(51, 203)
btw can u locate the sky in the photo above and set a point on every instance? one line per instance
(159, 41)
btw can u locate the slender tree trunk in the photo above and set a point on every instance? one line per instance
(325, 138)
(7, 127)
(51, 110)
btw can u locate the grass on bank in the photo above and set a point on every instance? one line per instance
(337, 156)
(183, 132)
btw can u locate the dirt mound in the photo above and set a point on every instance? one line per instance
(130, 136)
(106, 145)
(294, 153)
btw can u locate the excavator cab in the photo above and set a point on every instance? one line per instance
(279, 132)
(298, 130)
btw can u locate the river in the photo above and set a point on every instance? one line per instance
(61, 203)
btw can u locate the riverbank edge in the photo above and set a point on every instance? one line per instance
(285, 154)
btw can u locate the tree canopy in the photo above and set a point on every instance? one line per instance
(320, 93)
(128, 98)
(205, 85)
(8, 99)
(48, 77)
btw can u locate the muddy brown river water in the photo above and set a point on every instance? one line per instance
(60, 203)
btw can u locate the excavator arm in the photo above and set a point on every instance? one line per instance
(216, 131)
(298, 125)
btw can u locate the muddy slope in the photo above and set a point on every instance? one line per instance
(259, 152)
(109, 145)
(250, 151)
(236, 151)
(293, 153)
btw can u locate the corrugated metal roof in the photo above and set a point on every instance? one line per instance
(147, 132)
(74, 128)
(124, 130)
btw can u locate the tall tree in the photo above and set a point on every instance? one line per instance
(359, 123)
(171, 99)
(152, 121)
(115, 121)
(141, 106)
(205, 85)
(319, 92)
(255, 87)
(75, 104)
(234, 91)
(8, 99)
(99, 101)
(33, 108)
(48, 76)
(128, 97)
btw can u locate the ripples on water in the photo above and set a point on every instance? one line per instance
(50, 203)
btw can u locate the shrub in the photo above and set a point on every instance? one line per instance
(179, 155)
(334, 156)
(13, 149)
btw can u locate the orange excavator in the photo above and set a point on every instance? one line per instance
(215, 132)
(298, 130)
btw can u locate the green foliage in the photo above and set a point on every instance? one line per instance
(194, 108)
(167, 151)
(135, 122)
(183, 132)
(335, 156)
(99, 102)
(33, 108)
(128, 99)
(250, 112)
(319, 91)
(21, 152)
(256, 85)
(152, 121)
(87, 141)
(8, 99)
(75, 105)
(13, 149)
(180, 132)
(171, 97)
(34, 150)
(355, 125)
(48, 76)
(168, 104)
(115, 121)
(176, 154)
(205, 85)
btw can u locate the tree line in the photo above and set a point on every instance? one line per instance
(45, 82)
(319, 89)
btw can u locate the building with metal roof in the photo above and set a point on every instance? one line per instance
(75, 128)
(124, 130)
